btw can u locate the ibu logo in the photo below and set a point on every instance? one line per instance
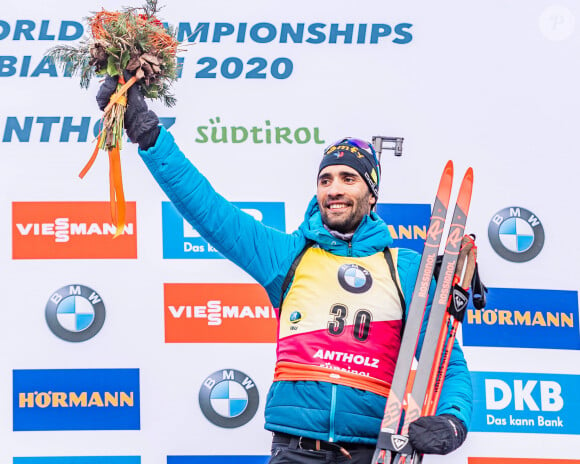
(526, 403)
(295, 317)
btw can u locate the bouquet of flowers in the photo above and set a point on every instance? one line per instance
(132, 40)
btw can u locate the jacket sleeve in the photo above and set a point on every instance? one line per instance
(457, 393)
(262, 251)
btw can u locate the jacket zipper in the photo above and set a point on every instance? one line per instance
(332, 412)
(333, 386)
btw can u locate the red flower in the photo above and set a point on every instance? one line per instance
(151, 19)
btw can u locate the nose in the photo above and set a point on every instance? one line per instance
(335, 188)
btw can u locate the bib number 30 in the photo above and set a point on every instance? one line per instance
(361, 325)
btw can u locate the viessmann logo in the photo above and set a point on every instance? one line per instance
(218, 313)
(71, 230)
(76, 399)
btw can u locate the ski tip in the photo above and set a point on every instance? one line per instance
(468, 178)
(445, 184)
(448, 168)
(469, 173)
(464, 198)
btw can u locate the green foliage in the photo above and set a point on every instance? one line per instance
(132, 38)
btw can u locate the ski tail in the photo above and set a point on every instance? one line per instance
(387, 442)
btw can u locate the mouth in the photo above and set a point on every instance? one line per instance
(337, 206)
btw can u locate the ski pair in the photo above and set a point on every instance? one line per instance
(407, 395)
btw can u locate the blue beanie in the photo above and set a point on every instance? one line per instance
(357, 154)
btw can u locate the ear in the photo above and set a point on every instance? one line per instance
(372, 201)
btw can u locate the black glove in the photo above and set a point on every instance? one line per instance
(142, 124)
(437, 434)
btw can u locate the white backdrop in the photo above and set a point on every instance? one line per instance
(492, 85)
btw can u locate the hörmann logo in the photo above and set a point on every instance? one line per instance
(71, 230)
(218, 313)
(182, 241)
(525, 318)
(525, 403)
(407, 223)
(76, 399)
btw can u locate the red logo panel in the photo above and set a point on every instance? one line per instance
(520, 461)
(71, 230)
(218, 313)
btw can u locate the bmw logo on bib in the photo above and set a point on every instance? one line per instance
(354, 278)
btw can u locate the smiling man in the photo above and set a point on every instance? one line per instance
(347, 184)
(341, 293)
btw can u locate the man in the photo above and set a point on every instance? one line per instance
(342, 299)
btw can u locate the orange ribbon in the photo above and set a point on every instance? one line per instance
(117, 96)
(116, 194)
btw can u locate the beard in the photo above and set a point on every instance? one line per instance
(346, 221)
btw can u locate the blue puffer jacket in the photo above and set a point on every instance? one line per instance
(318, 410)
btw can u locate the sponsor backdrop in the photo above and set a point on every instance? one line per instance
(151, 348)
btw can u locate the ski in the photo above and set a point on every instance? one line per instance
(387, 440)
(428, 364)
(466, 266)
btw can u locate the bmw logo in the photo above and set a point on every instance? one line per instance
(516, 234)
(75, 313)
(354, 278)
(228, 398)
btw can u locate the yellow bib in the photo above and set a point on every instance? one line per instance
(341, 321)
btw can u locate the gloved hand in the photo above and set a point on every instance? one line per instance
(141, 124)
(437, 434)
